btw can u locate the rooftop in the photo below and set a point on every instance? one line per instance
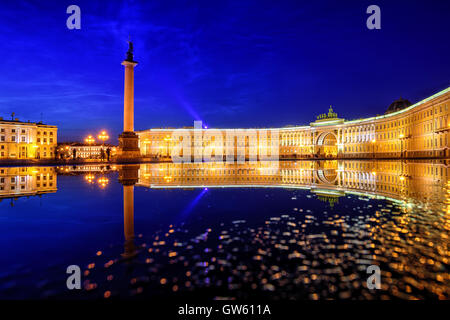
(398, 105)
(17, 121)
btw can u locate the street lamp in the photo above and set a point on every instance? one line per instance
(373, 148)
(103, 136)
(401, 136)
(167, 139)
(89, 140)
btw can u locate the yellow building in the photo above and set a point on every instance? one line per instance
(420, 130)
(330, 179)
(27, 181)
(27, 140)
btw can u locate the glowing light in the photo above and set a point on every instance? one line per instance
(89, 178)
(103, 136)
(90, 139)
(103, 182)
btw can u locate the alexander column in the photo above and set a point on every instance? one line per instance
(128, 140)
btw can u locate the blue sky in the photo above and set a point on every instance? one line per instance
(228, 63)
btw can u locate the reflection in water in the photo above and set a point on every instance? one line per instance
(338, 218)
(128, 176)
(328, 179)
(396, 180)
(26, 181)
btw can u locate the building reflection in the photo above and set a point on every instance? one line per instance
(333, 178)
(85, 169)
(328, 179)
(18, 182)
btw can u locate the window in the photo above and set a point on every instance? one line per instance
(13, 138)
(23, 131)
(23, 139)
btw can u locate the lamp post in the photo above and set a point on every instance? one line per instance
(373, 148)
(167, 139)
(89, 140)
(401, 136)
(103, 136)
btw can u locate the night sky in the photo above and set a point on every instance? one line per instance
(228, 63)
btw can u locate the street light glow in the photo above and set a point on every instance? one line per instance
(89, 140)
(103, 136)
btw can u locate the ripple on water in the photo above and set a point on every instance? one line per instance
(303, 255)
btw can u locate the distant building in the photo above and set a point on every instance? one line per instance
(85, 151)
(27, 140)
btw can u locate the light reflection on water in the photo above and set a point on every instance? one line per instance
(294, 230)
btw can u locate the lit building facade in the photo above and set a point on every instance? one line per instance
(420, 130)
(27, 140)
(85, 151)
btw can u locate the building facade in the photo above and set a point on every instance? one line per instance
(85, 151)
(27, 140)
(420, 130)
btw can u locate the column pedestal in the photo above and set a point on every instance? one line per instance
(128, 146)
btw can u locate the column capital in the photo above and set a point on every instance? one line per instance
(127, 63)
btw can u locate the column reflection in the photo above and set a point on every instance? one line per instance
(128, 177)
